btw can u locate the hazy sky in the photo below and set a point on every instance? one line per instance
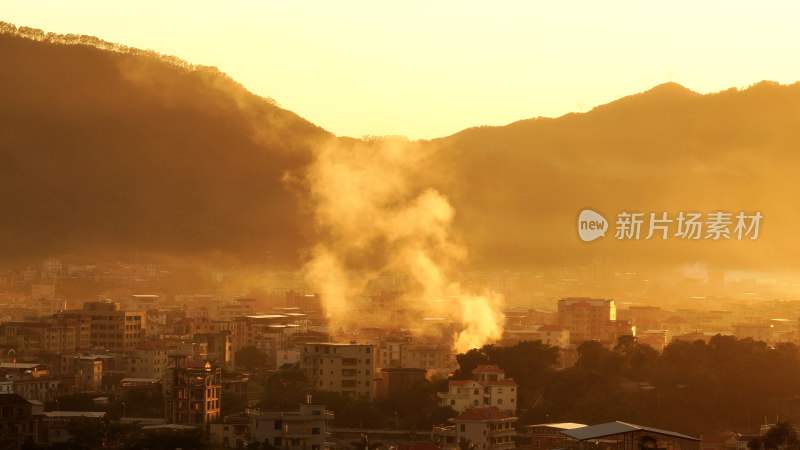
(429, 69)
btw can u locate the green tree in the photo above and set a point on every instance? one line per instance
(285, 389)
(250, 358)
(231, 403)
(782, 436)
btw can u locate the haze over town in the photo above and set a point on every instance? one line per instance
(186, 264)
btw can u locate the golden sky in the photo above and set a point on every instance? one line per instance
(426, 69)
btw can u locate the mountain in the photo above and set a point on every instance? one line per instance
(669, 149)
(108, 149)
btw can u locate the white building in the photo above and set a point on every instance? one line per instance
(488, 387)
(486, 428)
(303, 429)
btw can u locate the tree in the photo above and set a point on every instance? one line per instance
(231, 403)
(365, 443)
(782, 435)
(251, 358)
(636, 358)
(466, 444)
(285, 389)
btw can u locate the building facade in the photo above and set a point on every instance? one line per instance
(192, 392)
(345, 368)
(488, 388)
(304, 429)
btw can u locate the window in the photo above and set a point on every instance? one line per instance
(499, 401)
(277, 441)
(452, 402)
(463, 428)
(315, 431)
(278, 424)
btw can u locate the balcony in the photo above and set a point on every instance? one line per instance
(503, 432)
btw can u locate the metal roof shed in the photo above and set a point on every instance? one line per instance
(626, 436)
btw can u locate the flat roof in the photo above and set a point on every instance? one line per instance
(612, 428)
(21, 365)
(563, 425)
(140, 380)
(169, 426)
(69, 414)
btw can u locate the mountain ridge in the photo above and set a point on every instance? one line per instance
(107, 151)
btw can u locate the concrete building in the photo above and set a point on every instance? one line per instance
(233, 432)
(31, 381)
(586, 318)
(345, 368)
(48, 307)
(488, 387)
(192, 392)
(303, 429)
(762, 331)
(90, 371)
(554, 335)
(149, 360)
(39, 337)
(43, 291)
(114, 329)
(18, 417)
(486, 428)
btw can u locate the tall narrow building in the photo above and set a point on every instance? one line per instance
(192, 392)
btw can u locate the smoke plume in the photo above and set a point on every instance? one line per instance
(373, 214)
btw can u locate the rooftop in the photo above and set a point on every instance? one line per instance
(561, 426)
(612, 428)
(487, 368)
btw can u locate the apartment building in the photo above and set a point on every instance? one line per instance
(114, 329)
(586, 318)
(486, 428)
(149, 360)
(303, 429)
(345, 368)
